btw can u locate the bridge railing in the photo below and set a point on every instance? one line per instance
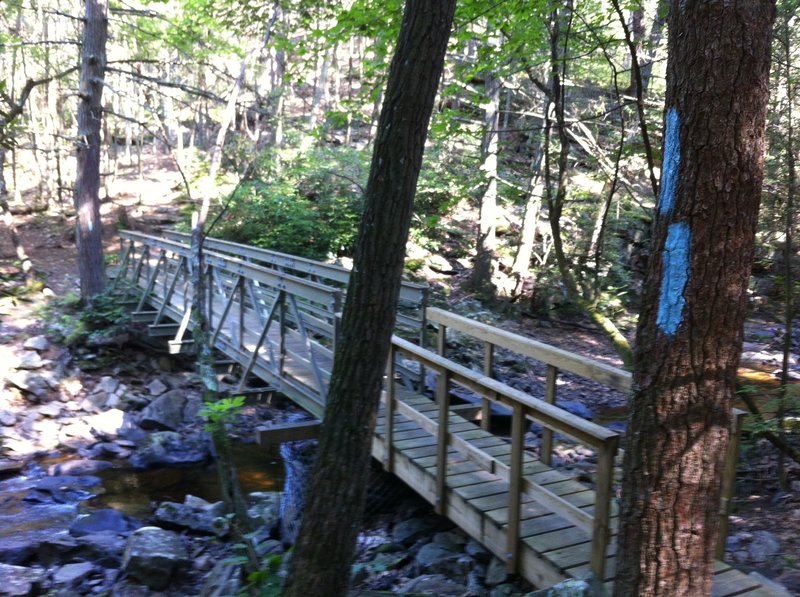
(558, 360)
(524, 409)
(278, 326)
(413, 299)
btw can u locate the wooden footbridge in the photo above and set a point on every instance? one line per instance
(276, 317)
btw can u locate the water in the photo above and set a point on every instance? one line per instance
(134, 492)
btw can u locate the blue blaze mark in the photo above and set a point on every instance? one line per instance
(671, 163)
(674, 277)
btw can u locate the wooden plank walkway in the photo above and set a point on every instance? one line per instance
(282, 329)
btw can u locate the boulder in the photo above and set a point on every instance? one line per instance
(78, 467)
(105, 548)
(439, 559)
(103, 520)
(171, 410)
(763, 546)
(157, 387)
(18, 580)
(155, 557)
(8, 418)
(71, 575)
(432, 584)
(408, 531)
(266, 508)
(111, 423)
(167, 448)
(38, 343)
(30, 359)
(187, 517)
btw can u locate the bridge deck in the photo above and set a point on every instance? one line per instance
(282, 328)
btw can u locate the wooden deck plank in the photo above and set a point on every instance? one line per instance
(733, 582)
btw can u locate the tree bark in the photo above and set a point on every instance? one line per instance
(324, 551)
(689, 337)
(89, 234)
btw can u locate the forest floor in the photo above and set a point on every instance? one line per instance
(48, 238)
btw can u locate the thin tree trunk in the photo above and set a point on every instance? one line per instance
(87, 180)
(325, 546)
(8, 220)
(689, 337)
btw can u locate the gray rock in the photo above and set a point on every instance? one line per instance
(167, 448)
(18, 580)
(763, 546)
(107, 384)
(183, 516)
(477, 551)
(496, 572)
(7, 418)
(157, 387)
(104, 520)
(169, 411)
(569, 588)
(266, 507)
(38, 343)
(432, 584)
(576, 408)
(30, 359)
(214, 509)
(111, 423)
(30, 383)
(437, 559)
(450, 540)
(105, 548)
(78, 467)
(155, 557)
(407, 531)
(71, 575)
(51, 409)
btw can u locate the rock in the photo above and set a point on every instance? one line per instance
(167, 448)
(29, 382)
(78, 467)
(105, 548)
(477, 551)
(791, 580)
(7, 418)
(51, 409)
(266, 507)
(30, 359)
(71, 575)
(408, 531)
(63, 489)
(155, 557)
(214, 509)
(576, 408)
(169, 411)
(17, 580)
(437, 559)
(496, 573)
(450, 540)
(107, 384)
(183, 516)
(157, 387)
(24, 531)
(432, 584)
(111, 423)
(11, 466)
(103, 520)
(38, 343)
(763, 545)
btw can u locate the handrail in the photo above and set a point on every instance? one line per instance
(523, 407)
(410, 292)
(607, 375)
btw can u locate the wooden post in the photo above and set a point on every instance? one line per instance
(729, 482)
(601, 529)
(389, 408)
(546, 451)
(242, 300)
(441, 340)
(282, 330)
(488, 371)
(518, 423)
(443, 400)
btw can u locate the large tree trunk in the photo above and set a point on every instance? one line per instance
(87, 180)
(689, 337)
(324, 551)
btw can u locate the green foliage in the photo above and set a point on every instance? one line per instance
(311, 208)
(220, 412)
(91, 324)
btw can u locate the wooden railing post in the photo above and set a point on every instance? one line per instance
(601, 528)
(518, 424)
(389, 409)
(488, 371)
(441, 340)
(729, 482)
(546, 451)
(443, 400)
(281, 298)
